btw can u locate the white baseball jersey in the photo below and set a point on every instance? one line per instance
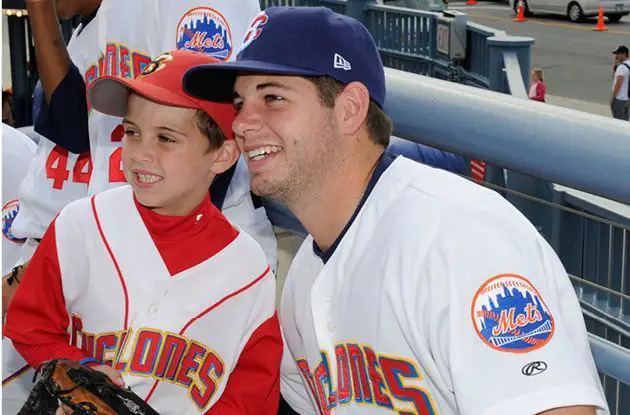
(129, 35)
(55, 176)
(175, 338)
(441, 298)
(17, 152)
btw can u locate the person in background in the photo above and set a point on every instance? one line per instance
(538, 88)
(619, 100)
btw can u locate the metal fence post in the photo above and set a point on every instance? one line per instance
(496, 46)
(356, 9)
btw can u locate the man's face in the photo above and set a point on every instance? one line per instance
(286, 135)
(165, 157)
(621, 57)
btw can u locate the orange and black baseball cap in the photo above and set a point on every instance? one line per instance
(161, 82)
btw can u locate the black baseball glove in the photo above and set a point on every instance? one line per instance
(84, 390)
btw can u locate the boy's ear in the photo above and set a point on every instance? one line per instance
(225, 157)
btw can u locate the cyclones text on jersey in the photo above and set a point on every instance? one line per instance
(366, 378)
(163, 356)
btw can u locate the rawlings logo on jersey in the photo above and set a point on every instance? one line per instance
(510, 315)
(163, 356)
(9, 212)
(205, 30)
(363, 377)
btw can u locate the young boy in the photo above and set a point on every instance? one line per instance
(149, 282)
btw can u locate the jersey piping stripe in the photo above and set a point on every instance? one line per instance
(14, 376)
(111, 255)
(207, 310)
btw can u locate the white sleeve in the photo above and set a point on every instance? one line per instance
(215, 27)
(622, 70)
(505, 324)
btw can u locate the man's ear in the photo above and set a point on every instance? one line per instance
(225, 157)
(351, 107)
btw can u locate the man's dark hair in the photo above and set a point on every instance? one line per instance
(378, 123)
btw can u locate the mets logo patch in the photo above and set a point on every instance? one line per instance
(510, 315)
(205, 30)
(9, 212)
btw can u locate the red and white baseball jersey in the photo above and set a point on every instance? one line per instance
(441, 298)
(55, 176)
(176, 320)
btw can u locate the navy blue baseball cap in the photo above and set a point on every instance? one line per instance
(300, 41)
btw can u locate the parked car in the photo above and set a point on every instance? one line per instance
(576, 10)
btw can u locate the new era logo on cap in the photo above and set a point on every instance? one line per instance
(341, 63)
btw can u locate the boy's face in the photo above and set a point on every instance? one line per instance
(285, 133)
(166, 159)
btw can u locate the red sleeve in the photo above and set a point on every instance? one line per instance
(541, 88)
(254, 384)
(37, 319)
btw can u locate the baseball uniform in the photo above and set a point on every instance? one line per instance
(183, 307)
(438, 297)
(17, 152)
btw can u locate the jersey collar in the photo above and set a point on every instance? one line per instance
(384, 162)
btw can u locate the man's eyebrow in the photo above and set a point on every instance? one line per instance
(266, 85)
(274, 85)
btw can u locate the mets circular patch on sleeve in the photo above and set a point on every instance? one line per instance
(510, 315)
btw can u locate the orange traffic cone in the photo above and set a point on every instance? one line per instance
(520, 12)
(471, 2)
(600, 21)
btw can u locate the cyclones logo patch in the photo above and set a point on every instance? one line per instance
(255, 29)
(205, 30)
(509, 315)
(9, 212)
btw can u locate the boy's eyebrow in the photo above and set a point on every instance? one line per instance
(171, 130)
(160, 127)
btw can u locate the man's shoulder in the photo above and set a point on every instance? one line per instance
(623, 68)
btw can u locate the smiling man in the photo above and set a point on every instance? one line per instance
(405, 297)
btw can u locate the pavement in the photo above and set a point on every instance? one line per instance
(581, 105)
